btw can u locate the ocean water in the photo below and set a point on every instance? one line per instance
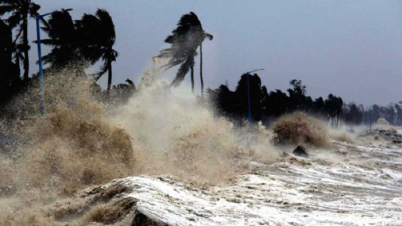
(182, 163)
(358, 186)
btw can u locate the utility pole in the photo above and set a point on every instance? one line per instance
(248, 92)
(370, 118)
(42, 93)
(363, 121)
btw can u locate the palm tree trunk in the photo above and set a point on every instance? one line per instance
(26, 48)
(192, 79)
(109, 79)
(202, 79)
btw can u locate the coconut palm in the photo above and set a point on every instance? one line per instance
(89, 39)
(184, 41)
(20, 10)
(64, 38)
(98, 33)
(210, 37)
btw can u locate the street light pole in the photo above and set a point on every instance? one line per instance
(248, 92)
(42, 93)
(370, 117)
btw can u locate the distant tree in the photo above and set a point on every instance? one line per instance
(20, 11)
(333, 109)
(255, 96)
(122, 92)
(353, 114)
(184, 41)
(388, 113)
(279, 103)
(226, 101)
(319, 106)
(298, 87)
(268, 106)
(392, 113)
(298, 97)
(375, 113)
(398, 113)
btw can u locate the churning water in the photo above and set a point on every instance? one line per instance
(231, 179)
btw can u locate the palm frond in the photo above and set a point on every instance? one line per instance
(8, 2)
(44, 22)
(50, 42)
(184, 41)
(14, 19)
(181, 73)
(33, 9)
(102, 71)
(209, 36)
(19, 32)
(7, 9)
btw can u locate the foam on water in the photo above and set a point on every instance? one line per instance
(284, 193)
(83, 142)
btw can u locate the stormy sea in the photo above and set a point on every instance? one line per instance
(165, 157)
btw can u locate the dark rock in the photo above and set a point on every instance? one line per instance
(141, 219)
(285, 154)
(397, 141)
(301, 152)
(384, 132)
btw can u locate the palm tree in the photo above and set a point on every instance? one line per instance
(210, 37)
(184, 43)
(64, 38)
(89, 39)
(20, 10)
(98, 33)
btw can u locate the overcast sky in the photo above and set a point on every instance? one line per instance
(349, 48)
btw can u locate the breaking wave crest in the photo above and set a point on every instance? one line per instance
(83, 141)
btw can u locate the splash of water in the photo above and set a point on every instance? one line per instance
(82, 141)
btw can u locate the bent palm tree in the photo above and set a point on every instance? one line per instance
(98, 33)
(210, 37)
(64, 39)
(20, 10)
(184, 43)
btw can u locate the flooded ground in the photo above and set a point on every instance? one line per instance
(354, 185)
(343, 185)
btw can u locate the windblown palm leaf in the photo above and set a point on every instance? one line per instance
(99, 36)
(90, 39)
(63, 38)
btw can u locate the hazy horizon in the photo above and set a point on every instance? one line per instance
(349, 49)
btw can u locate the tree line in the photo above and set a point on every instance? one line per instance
(266, 106)
(358, 114)
(91, 39)
(83, 42)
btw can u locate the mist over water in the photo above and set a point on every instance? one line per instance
(175, 132)
(82, 141)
